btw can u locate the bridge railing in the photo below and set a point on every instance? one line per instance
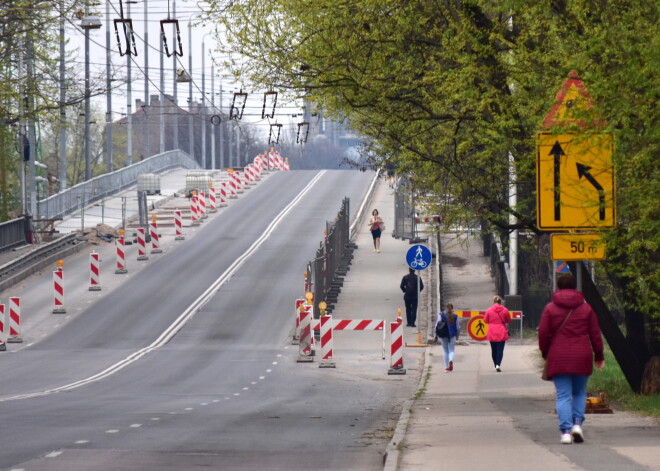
(72, 199)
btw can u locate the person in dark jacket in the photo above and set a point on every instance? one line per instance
(497, 317)
(570, 342)
(409, 287)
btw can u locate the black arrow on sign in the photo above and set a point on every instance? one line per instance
(557, 152)
(583, 171)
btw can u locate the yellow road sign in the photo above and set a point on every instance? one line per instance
(574, 247)
(574, 181)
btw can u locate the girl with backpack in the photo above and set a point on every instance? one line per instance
(448, 329)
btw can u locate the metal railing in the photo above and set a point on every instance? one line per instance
(13, 233)
(72, 199)
(332, 258)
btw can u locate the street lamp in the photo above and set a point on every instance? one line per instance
(88, 23)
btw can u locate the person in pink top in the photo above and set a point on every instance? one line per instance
(497, 317)
(570, 342)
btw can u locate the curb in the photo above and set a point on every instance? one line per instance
(392, 453)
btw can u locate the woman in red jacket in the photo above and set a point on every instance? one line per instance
(497, 317)
(570, 341)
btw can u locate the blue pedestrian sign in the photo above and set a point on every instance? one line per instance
(418, 257)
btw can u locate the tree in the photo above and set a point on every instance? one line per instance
(450, 88)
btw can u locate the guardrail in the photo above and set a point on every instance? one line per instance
(80, 195)
(12, 233)
(38, 259)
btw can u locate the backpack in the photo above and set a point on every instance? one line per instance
(442, 328)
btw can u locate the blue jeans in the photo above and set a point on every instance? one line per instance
(448, 346)
(571, 400)
(497, 352)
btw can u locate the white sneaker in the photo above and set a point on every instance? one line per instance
(498, 369)
(566, 439)
(576, 432)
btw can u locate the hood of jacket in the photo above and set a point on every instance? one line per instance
(569, 298)
(499, 309)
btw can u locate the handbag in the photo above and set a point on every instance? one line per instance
(381, 226)
(544, 374)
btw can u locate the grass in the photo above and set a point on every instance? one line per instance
(617, 391)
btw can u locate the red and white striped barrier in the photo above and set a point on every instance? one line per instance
(142, 245)
(3, 328)
(286, 165)
(14, 321)
(58, 291)
(279, 162)
(233, 190)
(326, 342)
(155, 242)
(236, 180)
(296, 315)
(94, 272)
(222, 194)
(201, 203)
(213, 207)
(396, 352)
(464, 313)
(194, 211)
(121, 256)
(357, 325)
(178, 226)
(271, 160)
(305, 345)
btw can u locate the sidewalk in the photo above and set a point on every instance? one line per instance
(476, 417)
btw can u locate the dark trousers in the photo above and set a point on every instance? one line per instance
(411, 308)
(497, 350)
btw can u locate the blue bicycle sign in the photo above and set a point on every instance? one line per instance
(418, 257)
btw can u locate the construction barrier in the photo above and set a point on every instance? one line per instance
(357, 325)
(3, 329)
(286, 165)
(58, 291)
(178, 226)
(142, 248)
(296, 315)
(396, 351)
(153, 230)
(222, 195)
(212, 200)
(305, 345)
(94, 272)
(14, 321)
(121, 256)
(326, 342)
(515, 315)
(201, 202)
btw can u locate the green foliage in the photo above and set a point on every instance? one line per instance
(617, 390)
(449, 89)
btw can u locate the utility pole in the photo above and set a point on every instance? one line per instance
(62, 102)
(108, 92)
(147, 128)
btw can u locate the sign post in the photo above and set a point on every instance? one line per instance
(418, 258)
(574, 177)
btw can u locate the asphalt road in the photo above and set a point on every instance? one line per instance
(136, 378)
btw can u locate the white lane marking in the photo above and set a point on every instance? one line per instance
(135, 425)
(112, 431)
(155, 418)
(53, 454)
(81, 442)
(262, 377)
(186, 315)
(268, 370)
